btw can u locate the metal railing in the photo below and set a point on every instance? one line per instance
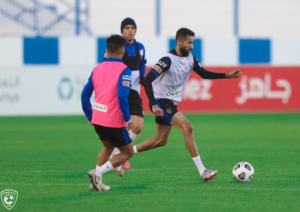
(41, 17)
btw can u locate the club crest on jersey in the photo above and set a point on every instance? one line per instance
(9, 198)
(100, 107)
(174, 93)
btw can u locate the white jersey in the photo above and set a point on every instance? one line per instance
(171, 84)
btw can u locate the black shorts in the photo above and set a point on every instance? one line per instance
(169, 109)
(135, 103)
(118, 137)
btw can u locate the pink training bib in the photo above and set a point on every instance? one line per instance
(106, 110)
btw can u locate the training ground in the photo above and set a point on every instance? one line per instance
(46, 160)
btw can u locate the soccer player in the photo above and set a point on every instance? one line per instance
(134, 58)
(110, 116)
(165, 85)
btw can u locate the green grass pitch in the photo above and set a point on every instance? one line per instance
(46, 160)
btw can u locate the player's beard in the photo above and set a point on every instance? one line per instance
(184, 52)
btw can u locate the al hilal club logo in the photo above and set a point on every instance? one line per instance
(9, 198)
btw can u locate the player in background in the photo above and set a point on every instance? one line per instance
(165, 85)
(110, 116)
(134, 58)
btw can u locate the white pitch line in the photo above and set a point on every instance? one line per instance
(134, 170)
(150, 186)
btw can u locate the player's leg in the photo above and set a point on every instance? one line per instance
(117, 137)
(160, 139)
(137, 127)
(126, 152)
(95, 175)
(181, 123)
(137, 117)
(104, 154)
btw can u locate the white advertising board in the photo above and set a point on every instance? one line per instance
(42, 90)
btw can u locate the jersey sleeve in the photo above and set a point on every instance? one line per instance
(197, 66)
(161, 66)
(85, 98)
(123, 91)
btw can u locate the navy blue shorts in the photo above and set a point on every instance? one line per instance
(169, 109)
(118, 137)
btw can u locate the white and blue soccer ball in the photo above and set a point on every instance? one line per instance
(243, 172)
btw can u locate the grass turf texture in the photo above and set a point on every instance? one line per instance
(46, 160)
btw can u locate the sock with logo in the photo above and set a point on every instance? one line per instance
(106, 167)
(199, 164)
(133, 136)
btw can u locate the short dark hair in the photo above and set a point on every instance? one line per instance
(183, 32)
(115, 43)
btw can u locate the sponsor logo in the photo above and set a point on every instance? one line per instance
(126, 83)
(162, 64)
(157, 69)
(100, 107)
(9, 89)
(65, 88)
(9, 198)
(174, 93)
(126, 77)
(198, 90)
(258, 88)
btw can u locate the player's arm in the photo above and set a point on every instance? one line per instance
(213, 75)
(206, 74)
(142, 67)
(85, 98)
(123, 91)
(163, 65)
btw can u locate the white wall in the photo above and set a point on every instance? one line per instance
(204, 17)
(269, 18)
(257, 18)
(106, 16)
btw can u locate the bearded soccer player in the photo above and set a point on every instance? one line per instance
(134, 58)
(110, 117)
(165, 85)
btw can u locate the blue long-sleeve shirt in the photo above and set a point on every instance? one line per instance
(123, 92)
(130, 49)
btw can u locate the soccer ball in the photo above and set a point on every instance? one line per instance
(243, 172)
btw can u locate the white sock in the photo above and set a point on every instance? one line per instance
(106, 167)
(135, 150)
(114, 152)
(133, 136)
(199, 164)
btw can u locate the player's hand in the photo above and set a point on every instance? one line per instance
(129, 125)
(142, 77)
(234, 74)
(157, 111)
(90, 123)
(106, 55)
